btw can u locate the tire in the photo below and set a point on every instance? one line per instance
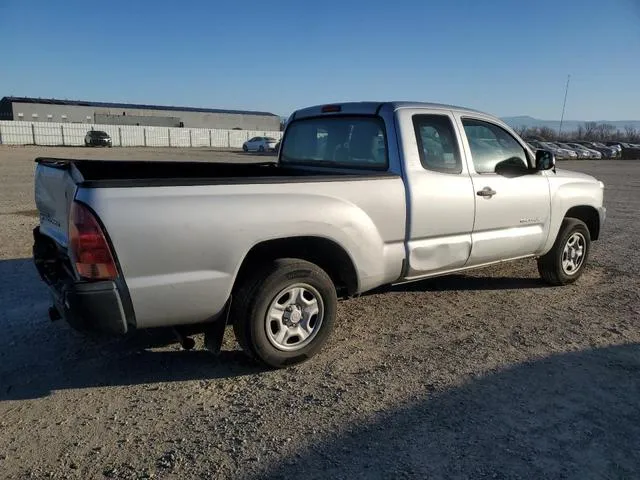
(267, 287)
(245, 149)
(551, 267)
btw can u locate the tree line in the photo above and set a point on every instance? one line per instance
(588, 131)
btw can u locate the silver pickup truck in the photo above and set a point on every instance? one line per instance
(362, 195)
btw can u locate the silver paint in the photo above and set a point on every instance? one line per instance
(180, 247)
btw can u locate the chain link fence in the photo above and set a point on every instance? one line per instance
(73, 134)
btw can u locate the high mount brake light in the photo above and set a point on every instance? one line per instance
(90, 250)
(331, 108)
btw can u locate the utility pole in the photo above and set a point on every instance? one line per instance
(566, 91)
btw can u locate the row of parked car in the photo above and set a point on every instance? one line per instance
(587, 150)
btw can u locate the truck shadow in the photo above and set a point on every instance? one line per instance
(571, 415)
(38, 356)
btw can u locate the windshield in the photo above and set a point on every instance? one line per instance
(97, 133)
(269, 139)
(341, 141)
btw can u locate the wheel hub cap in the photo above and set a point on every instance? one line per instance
(573, 253)
(294, 317)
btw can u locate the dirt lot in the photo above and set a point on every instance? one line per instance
(489, 374)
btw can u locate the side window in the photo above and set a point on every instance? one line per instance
(437, 143)
(493, 148)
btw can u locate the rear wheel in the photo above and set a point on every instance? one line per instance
(245, 149)
(565, 262)
(285, 312)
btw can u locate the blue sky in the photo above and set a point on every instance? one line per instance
(503, 57)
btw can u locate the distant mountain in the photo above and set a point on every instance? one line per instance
(567, 125)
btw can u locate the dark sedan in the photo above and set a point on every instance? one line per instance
(630, 151)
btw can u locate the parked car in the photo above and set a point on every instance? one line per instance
(615, 150)
(615, 145)
(270, 247)
(536, 145)
(260, 144)
(560, 153)
(566, 153)
(531, 146)
(607, 152)
(630, 151)
(593, 154)
(580, 153)
(97, 138)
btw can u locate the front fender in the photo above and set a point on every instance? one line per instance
(570, 192)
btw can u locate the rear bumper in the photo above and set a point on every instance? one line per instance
(87, 306)
(91, 306)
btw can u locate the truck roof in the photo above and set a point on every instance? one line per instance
(373, 107)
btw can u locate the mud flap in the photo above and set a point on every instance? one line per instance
(214, 333)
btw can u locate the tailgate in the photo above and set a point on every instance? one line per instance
(55, 189)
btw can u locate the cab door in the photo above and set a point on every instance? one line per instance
(512, 201)
(440, 200)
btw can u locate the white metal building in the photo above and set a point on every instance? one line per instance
(76, 111)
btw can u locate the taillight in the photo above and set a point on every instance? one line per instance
(90, 250)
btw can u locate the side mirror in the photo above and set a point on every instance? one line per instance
(545, 160)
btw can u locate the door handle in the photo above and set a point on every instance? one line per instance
(486, 192)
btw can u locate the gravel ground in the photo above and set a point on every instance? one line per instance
(487, 374)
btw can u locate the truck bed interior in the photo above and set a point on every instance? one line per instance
(123, 173)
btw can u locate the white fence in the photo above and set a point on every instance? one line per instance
(72, 134)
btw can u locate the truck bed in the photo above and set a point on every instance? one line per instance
(124, 173)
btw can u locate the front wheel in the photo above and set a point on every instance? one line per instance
(565, 262)
(285, 312)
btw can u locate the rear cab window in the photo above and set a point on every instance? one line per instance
(342, 141)
(437, 143)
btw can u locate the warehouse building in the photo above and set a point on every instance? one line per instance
(74, 111)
